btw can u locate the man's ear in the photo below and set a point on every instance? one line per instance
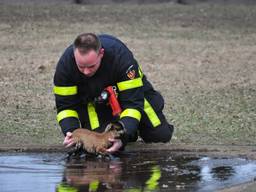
(102, 51)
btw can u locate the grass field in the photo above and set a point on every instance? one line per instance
(201, 57)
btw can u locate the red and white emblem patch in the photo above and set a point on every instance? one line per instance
(131, 74)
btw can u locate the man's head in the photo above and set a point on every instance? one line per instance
(88, 53)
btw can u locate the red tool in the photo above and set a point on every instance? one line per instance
(110, 94)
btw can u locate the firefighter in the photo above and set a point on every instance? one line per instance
(86, 68)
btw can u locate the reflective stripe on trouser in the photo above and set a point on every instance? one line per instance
(152, 116)
(149, 134)
(93, 116)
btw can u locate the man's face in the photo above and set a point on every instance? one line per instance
(88, 63)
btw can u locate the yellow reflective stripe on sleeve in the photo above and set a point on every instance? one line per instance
(131, 113)
(65, 91)
(140, 72)
(93, 117)
(66, 113)
(151, 114)
(130, 84)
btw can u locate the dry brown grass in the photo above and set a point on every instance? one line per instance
(201, 57)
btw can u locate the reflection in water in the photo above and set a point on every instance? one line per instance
(100, 175)
(148, 171)
(218, 173)
(152, 183)
(145, 171)
(222, 172)
(91, 175)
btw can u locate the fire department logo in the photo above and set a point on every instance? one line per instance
(131, 74)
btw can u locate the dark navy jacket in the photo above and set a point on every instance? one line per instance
(73, 90)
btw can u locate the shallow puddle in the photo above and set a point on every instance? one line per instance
(131, 172)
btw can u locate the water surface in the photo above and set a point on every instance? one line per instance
(131, 172)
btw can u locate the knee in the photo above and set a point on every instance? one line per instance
(164, 135)
(168, 134)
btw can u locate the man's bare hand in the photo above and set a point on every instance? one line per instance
(68, 141)
(116, 145)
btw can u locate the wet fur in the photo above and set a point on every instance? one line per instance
(94, 142)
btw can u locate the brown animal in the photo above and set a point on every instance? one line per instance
(94, 142)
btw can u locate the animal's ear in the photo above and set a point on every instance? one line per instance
(121, 131)
(117, 126)
(109, 127)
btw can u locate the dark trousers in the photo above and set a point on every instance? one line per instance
(161, 133)
(149, 133)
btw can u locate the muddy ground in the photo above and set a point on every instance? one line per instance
(200, 56)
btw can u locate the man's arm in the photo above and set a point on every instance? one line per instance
(131, 98)
(131, 94)
(66, 98)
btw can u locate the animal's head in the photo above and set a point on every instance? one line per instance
(116, 127)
